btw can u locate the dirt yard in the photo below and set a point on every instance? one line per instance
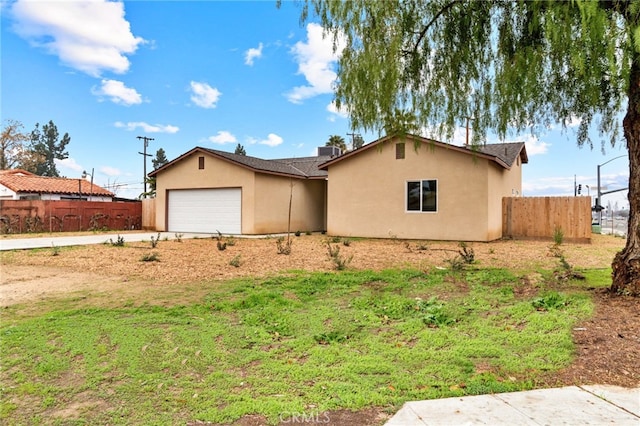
(608, 345)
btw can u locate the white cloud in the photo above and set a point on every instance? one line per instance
(335, 112)
(315, 60)
(68, 164)
(90, 36)
(222, 138)
(252, 54)
(148, 128)
(118, 93)
(110, 171)
(272, 140)
(204, 95)
(535, 146)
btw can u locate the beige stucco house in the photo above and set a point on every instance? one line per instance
(412, 187)
(405, 187)
(206, 190)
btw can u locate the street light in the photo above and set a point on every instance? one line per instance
(600, 193)
(84, 176)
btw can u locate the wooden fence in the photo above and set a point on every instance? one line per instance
(541, 217)
(24, 216)
(149, 213)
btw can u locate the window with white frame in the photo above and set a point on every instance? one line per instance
(422, 195)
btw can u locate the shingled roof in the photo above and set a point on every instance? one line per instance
(303, 167)
(21, 181)
(504, 154)
(507, 152)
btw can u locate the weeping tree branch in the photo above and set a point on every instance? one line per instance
(426, 28)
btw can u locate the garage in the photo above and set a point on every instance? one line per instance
(205, 210)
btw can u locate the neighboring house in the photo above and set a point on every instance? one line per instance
(412, 187)
(408, 187)
(209, 191)
(19, 184)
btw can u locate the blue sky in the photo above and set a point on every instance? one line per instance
(210, 74)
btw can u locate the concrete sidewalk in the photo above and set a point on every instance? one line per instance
(80, 240)
(572, 405)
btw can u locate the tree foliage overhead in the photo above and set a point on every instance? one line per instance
(508, 66)
(47, 145)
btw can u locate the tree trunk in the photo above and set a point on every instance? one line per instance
(626, 264)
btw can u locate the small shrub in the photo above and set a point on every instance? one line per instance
(551, 300)
(465, 256)
(179, 237)
(346, 242)
(150, 257)
(119, 242)
(297, 233)
(222, 245)
(55, 250)
(155, 241)
(340, 262)
(566, 272)
(433, 314)
(231, 241)
(558, 235)
(467, 253)
(336, 239)
(283, 247)
(236, 261)
(307, 233)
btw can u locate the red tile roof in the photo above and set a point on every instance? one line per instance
(21, 181)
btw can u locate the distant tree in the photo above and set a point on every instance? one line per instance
(356, 141)
(240, 150)
(160, 159)
(13, 152)
(338, 141)
(47, 145)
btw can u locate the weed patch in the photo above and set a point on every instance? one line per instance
(119, 242)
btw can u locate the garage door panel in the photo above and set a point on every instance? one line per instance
(205, 210)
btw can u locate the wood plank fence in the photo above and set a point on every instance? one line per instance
(539, 218)
(149, 213)
(25, 216)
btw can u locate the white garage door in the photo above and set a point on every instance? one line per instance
(205, 210)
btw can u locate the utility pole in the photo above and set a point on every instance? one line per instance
(144, 158)
(466, 142)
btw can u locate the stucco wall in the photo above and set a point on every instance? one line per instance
(502, 183)
(272, 201)
(217, 173)
(367, 194)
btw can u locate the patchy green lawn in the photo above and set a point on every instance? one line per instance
(300, 343)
